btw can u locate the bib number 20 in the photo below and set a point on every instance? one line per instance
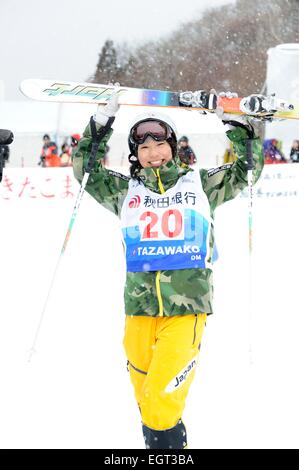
(171, 224)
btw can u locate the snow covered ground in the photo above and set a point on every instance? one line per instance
(75, 392)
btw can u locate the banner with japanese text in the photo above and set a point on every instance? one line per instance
(25, 184)
(30, 184)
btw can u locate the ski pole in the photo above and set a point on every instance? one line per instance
(67, 236)
(249, 158)
(96, 140)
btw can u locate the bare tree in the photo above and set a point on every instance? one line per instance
(225, 49)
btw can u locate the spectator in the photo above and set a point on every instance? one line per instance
(75, 140)
(185, 152)
(272, 151)
(49, 155)
(4, 153)
(4, 158)
(106, 156)
(294, 155)
(66, 155)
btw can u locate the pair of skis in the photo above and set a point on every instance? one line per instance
(260, 106)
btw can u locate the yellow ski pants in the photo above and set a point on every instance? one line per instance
(162, 354)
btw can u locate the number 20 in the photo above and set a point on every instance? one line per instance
(150, 233)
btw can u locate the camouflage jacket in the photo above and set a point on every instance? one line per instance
(178, 292)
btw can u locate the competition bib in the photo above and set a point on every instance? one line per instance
(169, 230)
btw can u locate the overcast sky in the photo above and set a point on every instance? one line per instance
(62, 38)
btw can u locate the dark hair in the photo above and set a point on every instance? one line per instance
(46, 136)
(135, 166)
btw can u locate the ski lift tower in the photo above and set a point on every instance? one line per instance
(283, 80)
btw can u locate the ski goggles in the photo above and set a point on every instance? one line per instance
(158, 130)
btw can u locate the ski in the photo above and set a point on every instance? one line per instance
(75, 92)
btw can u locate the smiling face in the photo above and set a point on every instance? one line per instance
(153, 154)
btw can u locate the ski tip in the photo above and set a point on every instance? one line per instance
(26, 87)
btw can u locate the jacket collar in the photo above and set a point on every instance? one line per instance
(168, 175)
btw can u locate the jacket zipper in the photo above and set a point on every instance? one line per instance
(158, 273)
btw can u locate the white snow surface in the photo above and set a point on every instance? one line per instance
(76, 392)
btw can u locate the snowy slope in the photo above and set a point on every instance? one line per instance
(75, 393)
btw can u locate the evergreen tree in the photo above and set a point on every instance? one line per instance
(107, 69)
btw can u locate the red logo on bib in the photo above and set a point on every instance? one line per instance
(134, 202)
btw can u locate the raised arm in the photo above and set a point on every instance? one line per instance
(227, 181)
(108, 187)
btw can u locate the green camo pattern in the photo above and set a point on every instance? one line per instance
(183, 291)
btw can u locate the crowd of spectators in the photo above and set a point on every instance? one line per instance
(272, 151)
(274, 154)
(50, 157)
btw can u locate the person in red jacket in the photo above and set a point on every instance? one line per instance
(49, 155)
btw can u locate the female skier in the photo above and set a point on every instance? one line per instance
(166, 214)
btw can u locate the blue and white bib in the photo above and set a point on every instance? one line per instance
(169, 230)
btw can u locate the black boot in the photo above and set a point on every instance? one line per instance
(173, 438)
